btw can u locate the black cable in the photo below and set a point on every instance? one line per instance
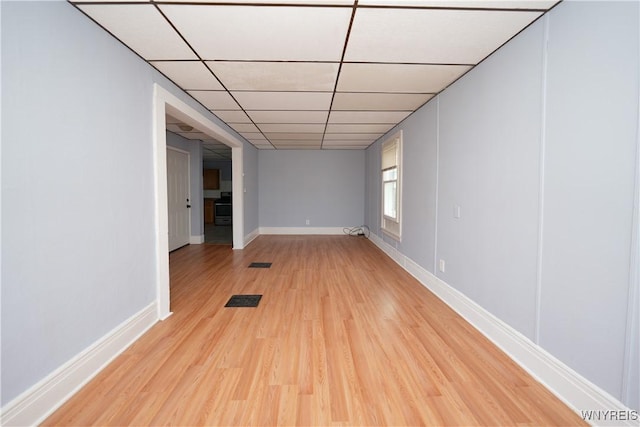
(362, 231)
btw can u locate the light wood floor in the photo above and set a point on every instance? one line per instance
(342, 336)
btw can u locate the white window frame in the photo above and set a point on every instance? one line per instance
(389, 225)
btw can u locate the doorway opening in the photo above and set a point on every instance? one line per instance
(165, 103)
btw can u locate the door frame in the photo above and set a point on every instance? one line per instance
(165, 102)
(169, 147)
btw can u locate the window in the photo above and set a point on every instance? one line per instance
(391, 185)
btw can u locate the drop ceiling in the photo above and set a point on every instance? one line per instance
(313, 74)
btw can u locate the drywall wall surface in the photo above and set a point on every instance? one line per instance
(77, 188)
(591, 125)
(251, 196)
(419, 168)
(324, 186)
(489, 169)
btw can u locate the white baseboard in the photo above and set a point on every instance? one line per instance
(573, 389)
(196, 240)
(38, 402)
(302, 230)
(251, 236)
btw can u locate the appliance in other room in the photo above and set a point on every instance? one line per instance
(223, 209)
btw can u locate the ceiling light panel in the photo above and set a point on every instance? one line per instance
(289, 116)
(232, 116)
(215, 100)
(484, 4)
(142, 28)
(392, 117)
(432, 35)
(189, 75)
(401, 78)
(262, 32)
(284, 100)
(276, 76)
(379, 101)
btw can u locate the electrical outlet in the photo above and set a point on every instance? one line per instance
(308, 222)
(441, 266)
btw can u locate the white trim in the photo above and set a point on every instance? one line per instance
(196, 240)
(43, 398)
(569, 386)
(165, 102)
(251, 236)
(237, 196)
(302, 230)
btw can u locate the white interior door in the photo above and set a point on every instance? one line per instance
(178, 198)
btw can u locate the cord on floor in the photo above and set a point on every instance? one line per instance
(362, 231)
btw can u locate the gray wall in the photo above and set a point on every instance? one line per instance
(77, 187)
(326, 187)
(537, 145)
(194, 147)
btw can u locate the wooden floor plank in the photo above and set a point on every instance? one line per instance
(342, 336)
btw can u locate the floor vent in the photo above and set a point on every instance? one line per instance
(260, 265)
(244, 301)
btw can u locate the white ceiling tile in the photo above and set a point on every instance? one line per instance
(311, 2)
(262, 33)
(244, 127)
(379, 101)
(302, 128)
(215, 100)
(294, 136)
(398, 77)
(259, 140)
(343, 147)
(487, 4)
(367, 116)
(284, 100)
(231, 116)
(347, 145)
(289, 146)
(142, 28)
(188, 74)
(353, 136)
(110, 1)
(276, 76)
(288, 116)
(252, 135)
(357, 128)
(431, 35)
